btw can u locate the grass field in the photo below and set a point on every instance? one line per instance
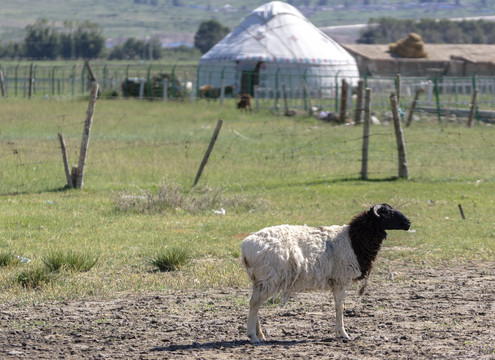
(265, 169)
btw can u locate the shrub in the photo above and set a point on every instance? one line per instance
(72, 261)
(8, 259)
(170, 198)
(33, 278)
(170, 259)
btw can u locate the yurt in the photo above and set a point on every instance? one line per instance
(277, 46)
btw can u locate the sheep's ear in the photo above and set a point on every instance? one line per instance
(375, 210)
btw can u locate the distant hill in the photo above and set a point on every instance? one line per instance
(176, 21)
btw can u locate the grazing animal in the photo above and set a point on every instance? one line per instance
(208, 92)
(293, 258)
(245, 102)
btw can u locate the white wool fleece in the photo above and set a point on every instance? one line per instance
(293, 258)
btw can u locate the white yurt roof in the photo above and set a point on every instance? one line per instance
(278, 32)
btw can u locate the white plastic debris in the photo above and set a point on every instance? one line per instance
(219, 212)
(23, 259)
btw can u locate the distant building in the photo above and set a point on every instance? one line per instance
(443, 59)
(276, 45)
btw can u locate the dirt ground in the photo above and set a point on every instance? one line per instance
(409, 312)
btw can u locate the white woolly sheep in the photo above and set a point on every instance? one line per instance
(293, 258)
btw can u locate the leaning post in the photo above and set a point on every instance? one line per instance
(68, 175)
(401, 145)
(79, 175)
(413, 106)
(208, 151)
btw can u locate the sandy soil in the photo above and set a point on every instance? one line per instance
(409, 312)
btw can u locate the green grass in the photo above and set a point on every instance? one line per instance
(170, 259)
(33, 278)
(264, 170)
(8, 259)
(71, 261)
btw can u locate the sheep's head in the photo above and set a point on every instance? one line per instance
(390, 218)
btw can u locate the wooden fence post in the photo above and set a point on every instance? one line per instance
(286, 105)
(79, 175)
(256, 98)
(397, 88)
(208, 151)
(2, 83)
(308, 95)
(461, 211)
(141, 89)
(31, 80)
(358, 117)
(343, 102)
(165, 90)
(413, 106)
(472, 108)
(401, 145)
(366, 134)
(70, 184)
(91, 73)
(222, 92)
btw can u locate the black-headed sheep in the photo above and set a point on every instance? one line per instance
(293, 258)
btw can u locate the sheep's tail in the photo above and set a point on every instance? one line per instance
(248, 270)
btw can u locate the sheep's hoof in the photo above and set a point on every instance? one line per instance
(344, 336)
(254, 339)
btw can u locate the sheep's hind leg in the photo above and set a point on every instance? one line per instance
(258, 297)
(339, 296)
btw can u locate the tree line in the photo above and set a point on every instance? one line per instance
(386, 30)
(46, 41)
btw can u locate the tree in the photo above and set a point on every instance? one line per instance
(41, 41)
(209, 33)
(11, 50)
(134, 49)
(67, 46)
(156, 51)
(89, 41)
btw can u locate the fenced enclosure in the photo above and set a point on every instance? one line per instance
(441, 94)
(142, 143)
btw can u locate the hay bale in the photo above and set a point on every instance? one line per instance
(412, 46)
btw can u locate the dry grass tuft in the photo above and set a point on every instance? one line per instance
(172, 197)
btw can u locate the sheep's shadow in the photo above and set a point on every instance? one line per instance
(233, 344)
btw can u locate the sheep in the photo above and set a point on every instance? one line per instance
(295, 258)
(245, 102)
(210, 92)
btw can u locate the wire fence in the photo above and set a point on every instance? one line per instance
(245, 155)
(161, 82)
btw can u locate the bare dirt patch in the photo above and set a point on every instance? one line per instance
(424, 312)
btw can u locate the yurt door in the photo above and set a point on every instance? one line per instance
(249, 77)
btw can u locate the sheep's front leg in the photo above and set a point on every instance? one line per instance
(339, 296)
(254, 331)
